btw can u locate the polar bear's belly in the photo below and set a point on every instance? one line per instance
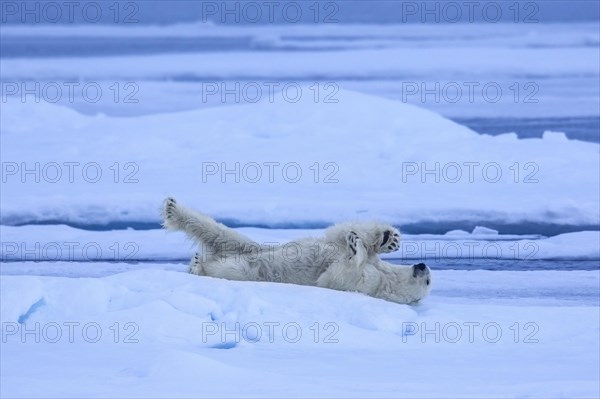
(303, 266)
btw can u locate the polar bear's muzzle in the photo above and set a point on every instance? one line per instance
(420, 269)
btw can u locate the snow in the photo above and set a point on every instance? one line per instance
(312, 164)
(187, 336)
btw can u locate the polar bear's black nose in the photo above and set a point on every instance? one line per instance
(420, 266)
(419, 269)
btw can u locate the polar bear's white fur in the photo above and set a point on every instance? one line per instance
(346, 259)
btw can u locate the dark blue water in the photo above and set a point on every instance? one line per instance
(579, 128)
(110, 266)
(523, 228)
(502, 264)
(90, 46)
(39, 47)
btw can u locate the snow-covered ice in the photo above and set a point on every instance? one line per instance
(556, 74)
(311, 164)
(156, 333)
(149, 329)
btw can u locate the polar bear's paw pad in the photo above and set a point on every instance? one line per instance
(391, 241)
(352, 240)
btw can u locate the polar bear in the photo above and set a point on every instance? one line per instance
(345, 259)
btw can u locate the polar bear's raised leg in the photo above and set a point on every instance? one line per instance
(215, 237)
(359, 252)
(345, 271)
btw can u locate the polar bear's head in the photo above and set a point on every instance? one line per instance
(421, 275)
(410, 283)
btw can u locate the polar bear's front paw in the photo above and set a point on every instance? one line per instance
(390, 241)
(358, 249)
(170, 214)
(353, 242)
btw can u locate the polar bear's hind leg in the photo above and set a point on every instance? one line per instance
(214, 237)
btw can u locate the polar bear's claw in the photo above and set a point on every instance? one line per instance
(169, 213)
(170, 205)
(196, 265)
